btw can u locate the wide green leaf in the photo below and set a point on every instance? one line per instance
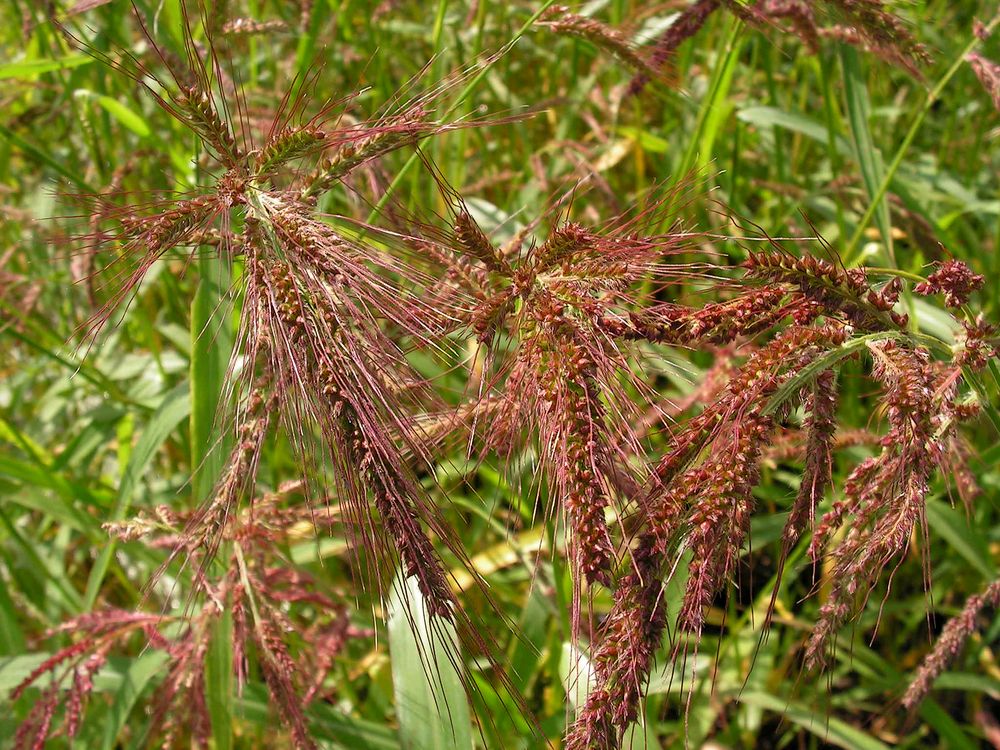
(431, 703)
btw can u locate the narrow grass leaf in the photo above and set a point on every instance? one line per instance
(219, 681)
(11, 637)
(125, 116)
(210, 347)
(176, 407)
(31, 68)
(36, 154)
(869, 158)
(796, 122)
(794, 384)
(431, 703)
(134, 682)
(949, 730)
(828, 729)
(967, 540)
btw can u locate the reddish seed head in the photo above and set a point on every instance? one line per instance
(949, 644)
(955, 280)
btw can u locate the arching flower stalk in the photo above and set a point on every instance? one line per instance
(949, 644)
(285, 627)
(563, 385)
(315, 302)
(325, 317)
(703, 506)
(884, 497)
(560, 20)
(866, 24)
(701, 498)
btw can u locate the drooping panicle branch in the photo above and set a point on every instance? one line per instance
(556, 299)
(884, 495)
(364, 145)
(949, 644)
(834, 289)
(560, 20)
(821, 427)
(866, 24)
(702, 506)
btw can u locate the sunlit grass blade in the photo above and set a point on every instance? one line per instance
(210, 346)
(431, 703)
(868, 156)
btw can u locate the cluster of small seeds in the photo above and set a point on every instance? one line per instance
(288, 145)
(173, 227)
(205, 120)
(394, 135)
(474, 243)
(573, 416)
(835, 289)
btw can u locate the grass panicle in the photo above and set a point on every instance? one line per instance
(418, 415)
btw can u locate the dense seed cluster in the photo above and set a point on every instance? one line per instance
(573, 417)
(949, 644)
(884, 496)
(955, 280)
(363, 146)
(833, 290)
(716, 322)
(821, 427)
(205, 120)
(701, 506)
(288, 145)
(476, 245)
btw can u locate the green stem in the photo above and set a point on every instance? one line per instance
(463, 95)
(895, 272)
(890, 173)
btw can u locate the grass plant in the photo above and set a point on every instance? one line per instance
(495, 375)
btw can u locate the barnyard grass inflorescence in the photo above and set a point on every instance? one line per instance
(556, 331)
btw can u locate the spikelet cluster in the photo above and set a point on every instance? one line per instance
(955, 280)
(315, 360)
(328, 320)
(949, 644)
(560, 300)
(560, 20)
(276, 631)
(697, 512)
(867, 24)
(988, 73)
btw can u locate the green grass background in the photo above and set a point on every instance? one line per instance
(890, 170)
